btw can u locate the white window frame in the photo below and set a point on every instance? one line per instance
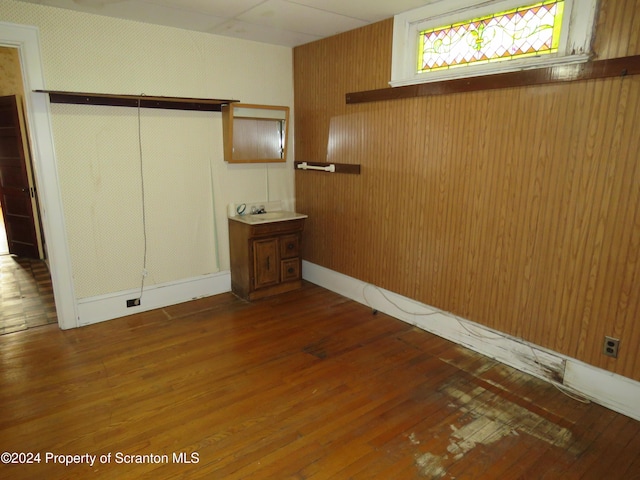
(575, 38)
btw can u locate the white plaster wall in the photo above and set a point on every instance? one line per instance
(187, 184)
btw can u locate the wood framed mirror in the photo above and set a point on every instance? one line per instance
(255, 133)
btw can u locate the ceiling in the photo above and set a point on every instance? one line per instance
(280, 22)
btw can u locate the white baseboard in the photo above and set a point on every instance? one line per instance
(613, 391)
(107, 307)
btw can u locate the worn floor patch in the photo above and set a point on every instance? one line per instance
(487, 421)
(430, 466)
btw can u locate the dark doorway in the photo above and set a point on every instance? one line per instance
(17, 194)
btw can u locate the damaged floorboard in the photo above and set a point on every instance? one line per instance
(306, 385)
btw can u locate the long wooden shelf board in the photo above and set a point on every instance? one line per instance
(142, 101)
(615, 67)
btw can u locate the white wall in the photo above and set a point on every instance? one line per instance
(97, 148)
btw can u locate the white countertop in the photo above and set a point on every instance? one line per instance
(269, 217)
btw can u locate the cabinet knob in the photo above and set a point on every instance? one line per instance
(290, 246)
(290, 270)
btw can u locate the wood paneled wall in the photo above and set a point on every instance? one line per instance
(518, 209)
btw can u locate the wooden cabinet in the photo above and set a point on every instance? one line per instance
(265, 258)
(254, 133)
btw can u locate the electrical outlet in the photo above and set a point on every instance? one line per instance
(134, 302)
(611, 346)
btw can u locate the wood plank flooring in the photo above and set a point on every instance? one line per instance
(306, 385)
(26, 294)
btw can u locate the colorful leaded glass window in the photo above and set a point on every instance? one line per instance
(532, 30)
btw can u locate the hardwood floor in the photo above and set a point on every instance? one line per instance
(306, 385)
(26, 294)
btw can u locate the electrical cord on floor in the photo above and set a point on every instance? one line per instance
(381, 292)
(562, 388)
(559, 386)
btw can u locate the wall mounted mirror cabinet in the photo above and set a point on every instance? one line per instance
(254, 133)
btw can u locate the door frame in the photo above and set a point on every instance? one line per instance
(26, 39)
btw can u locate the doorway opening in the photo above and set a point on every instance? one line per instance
(26, 291)
(25, 39)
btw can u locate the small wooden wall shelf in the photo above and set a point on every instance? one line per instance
(142, 101)
(615, 67)
(339, 167)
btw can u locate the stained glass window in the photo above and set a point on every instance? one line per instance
(521, 32)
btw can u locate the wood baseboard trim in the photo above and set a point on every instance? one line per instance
(610, 390)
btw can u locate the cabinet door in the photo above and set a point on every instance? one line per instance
(265, 262)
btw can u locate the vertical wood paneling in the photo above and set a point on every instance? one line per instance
(516, 208)
(627, 308)
(617, 29)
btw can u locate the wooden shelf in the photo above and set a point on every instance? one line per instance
(135, 101)
(615, 67)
